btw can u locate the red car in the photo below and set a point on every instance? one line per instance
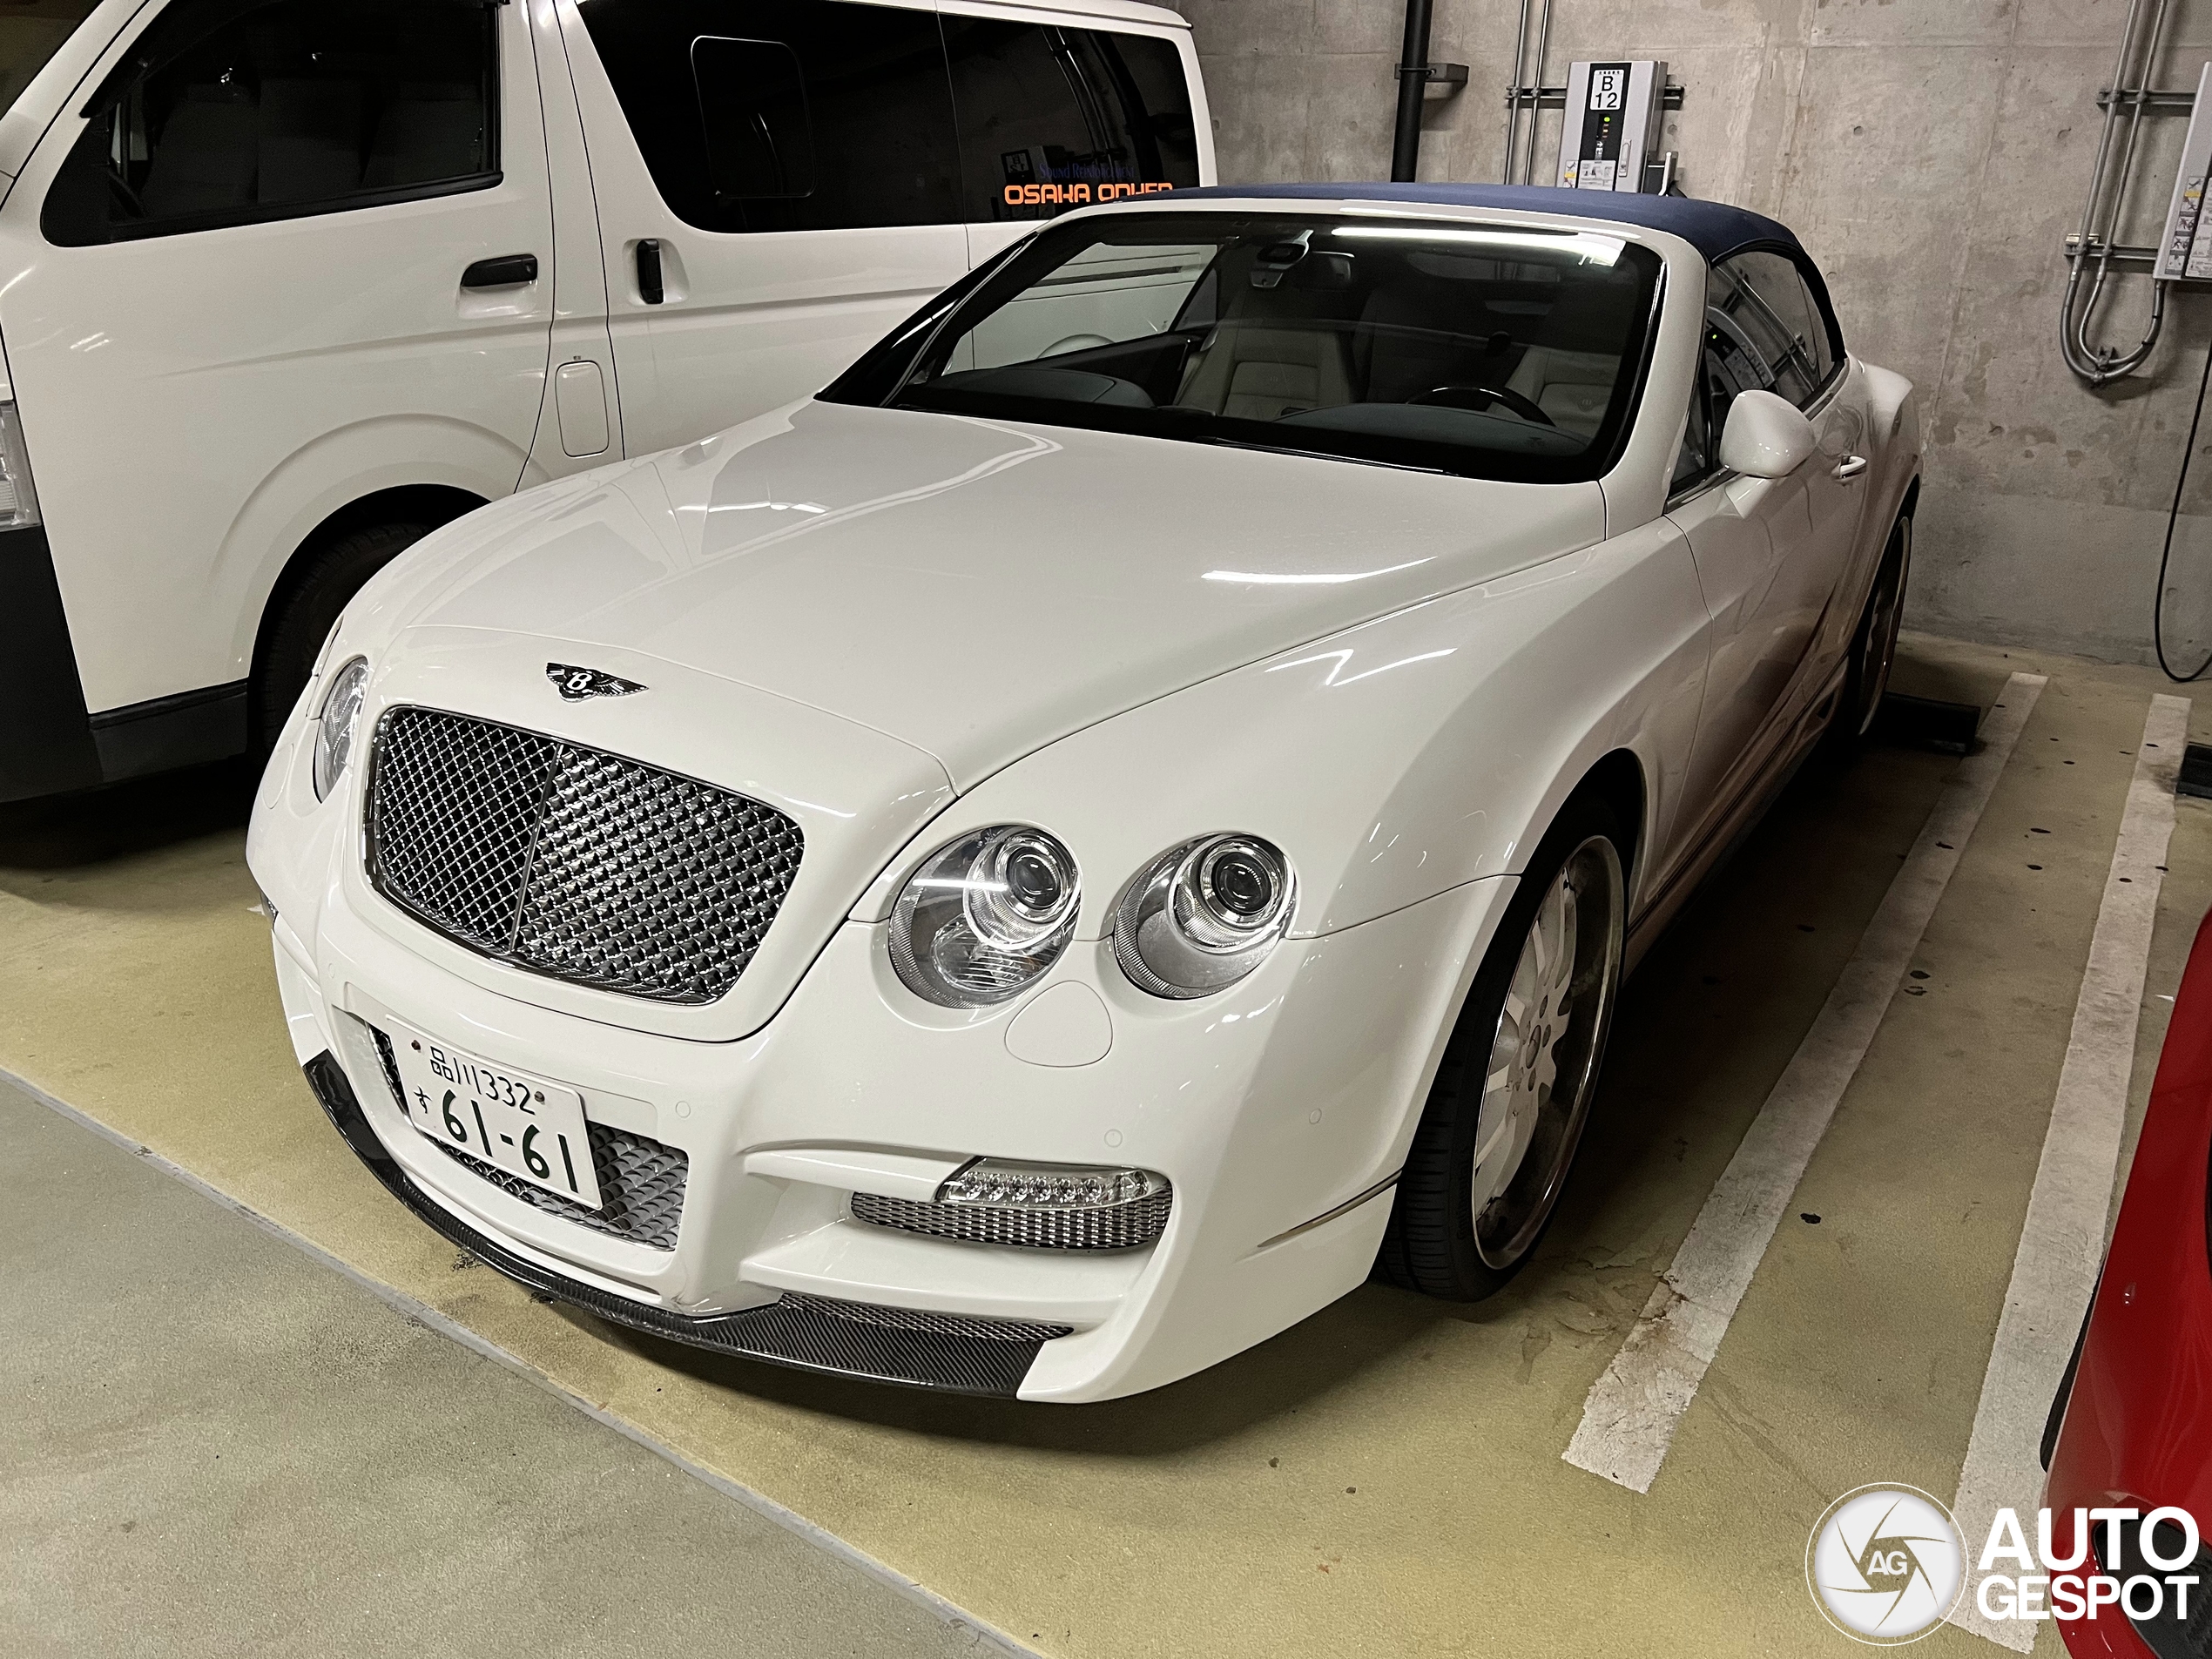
(2132, 1426)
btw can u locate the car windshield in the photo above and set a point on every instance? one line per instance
(1495, 352)
(29, 34)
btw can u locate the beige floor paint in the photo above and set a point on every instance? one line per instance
(1385, 1478)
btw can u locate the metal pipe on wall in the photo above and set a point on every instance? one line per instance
(2091, 252)
(1535, 102)
(1412, 88)
(1512, 95)
(1527, 90)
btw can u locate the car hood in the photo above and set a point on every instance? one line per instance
(976, 588)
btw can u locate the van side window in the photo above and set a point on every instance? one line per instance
(1052, 118)
(226, 114)
(785, 115)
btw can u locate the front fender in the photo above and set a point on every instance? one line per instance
(1896, 426)
(1392, 761)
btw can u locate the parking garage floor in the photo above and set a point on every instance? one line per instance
(414, 1453)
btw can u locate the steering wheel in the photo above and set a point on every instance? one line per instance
(1481, 397)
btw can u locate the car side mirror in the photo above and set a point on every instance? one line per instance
(1766, 436)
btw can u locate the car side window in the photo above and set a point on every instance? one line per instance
(1052, 118)
(231, 114)
(1767, 296)
(1731, 359)
(785, 115)
(1695, 459)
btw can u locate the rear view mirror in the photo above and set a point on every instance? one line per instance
(1323, 270)
(1766, 436)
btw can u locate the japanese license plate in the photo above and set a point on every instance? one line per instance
(528, 1127)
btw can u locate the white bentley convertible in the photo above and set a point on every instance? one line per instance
(1044, 865)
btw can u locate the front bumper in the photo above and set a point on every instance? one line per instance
(1270, 1108)
(962, 1356)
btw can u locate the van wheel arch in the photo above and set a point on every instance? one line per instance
(323, 573)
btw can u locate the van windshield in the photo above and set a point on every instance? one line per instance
(29, 34)
(1491, 351)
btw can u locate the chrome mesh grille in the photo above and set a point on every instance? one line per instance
(571, 862)
(641, 1180)
(1122, 1226)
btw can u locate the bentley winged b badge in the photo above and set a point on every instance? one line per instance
(576, 683)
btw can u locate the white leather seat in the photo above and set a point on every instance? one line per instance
(1574, 388)
(1263, 371)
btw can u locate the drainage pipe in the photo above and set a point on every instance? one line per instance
(1536, 80)
(1412, 88)
(1512, 95)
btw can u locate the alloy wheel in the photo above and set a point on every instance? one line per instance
(1544, 1056)
(1885, 616)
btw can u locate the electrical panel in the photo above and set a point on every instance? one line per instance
(1611, 124)
(2185, 253)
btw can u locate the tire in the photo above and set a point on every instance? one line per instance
(311, 599)
(1461, 1229)
(1874, 645)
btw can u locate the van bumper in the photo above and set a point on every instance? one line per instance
(46, 743)
(49, 744)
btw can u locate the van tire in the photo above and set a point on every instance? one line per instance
(307, 609)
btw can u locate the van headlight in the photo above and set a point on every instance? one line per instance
(18, 496)
(985, 917)
(1203, 915)
(335, 723)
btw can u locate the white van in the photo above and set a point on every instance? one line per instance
(285, 284)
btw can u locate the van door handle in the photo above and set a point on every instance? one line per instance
(1849, 467)
(503, 272)
(649, 283)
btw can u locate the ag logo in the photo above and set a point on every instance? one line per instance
(577, 684)
(1885, 1564)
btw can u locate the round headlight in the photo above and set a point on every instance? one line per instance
(985, 917)
(340, 713)
(1203, 915)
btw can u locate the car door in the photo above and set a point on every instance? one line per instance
(776, 184)
(1771, 554)
(249, 286)
(1765, 293)
(1053, 117)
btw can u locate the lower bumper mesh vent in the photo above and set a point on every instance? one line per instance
(942, 1350)
(641, 1179)
(1122, 1226)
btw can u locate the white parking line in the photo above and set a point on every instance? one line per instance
(1630, 1418)
(2062, 1241)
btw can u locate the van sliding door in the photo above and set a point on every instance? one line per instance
(778, 185)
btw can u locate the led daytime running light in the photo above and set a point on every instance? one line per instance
(1004, 1185)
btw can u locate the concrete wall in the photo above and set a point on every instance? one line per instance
(1934, 155)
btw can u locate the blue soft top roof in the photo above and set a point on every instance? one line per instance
(1713, 228)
